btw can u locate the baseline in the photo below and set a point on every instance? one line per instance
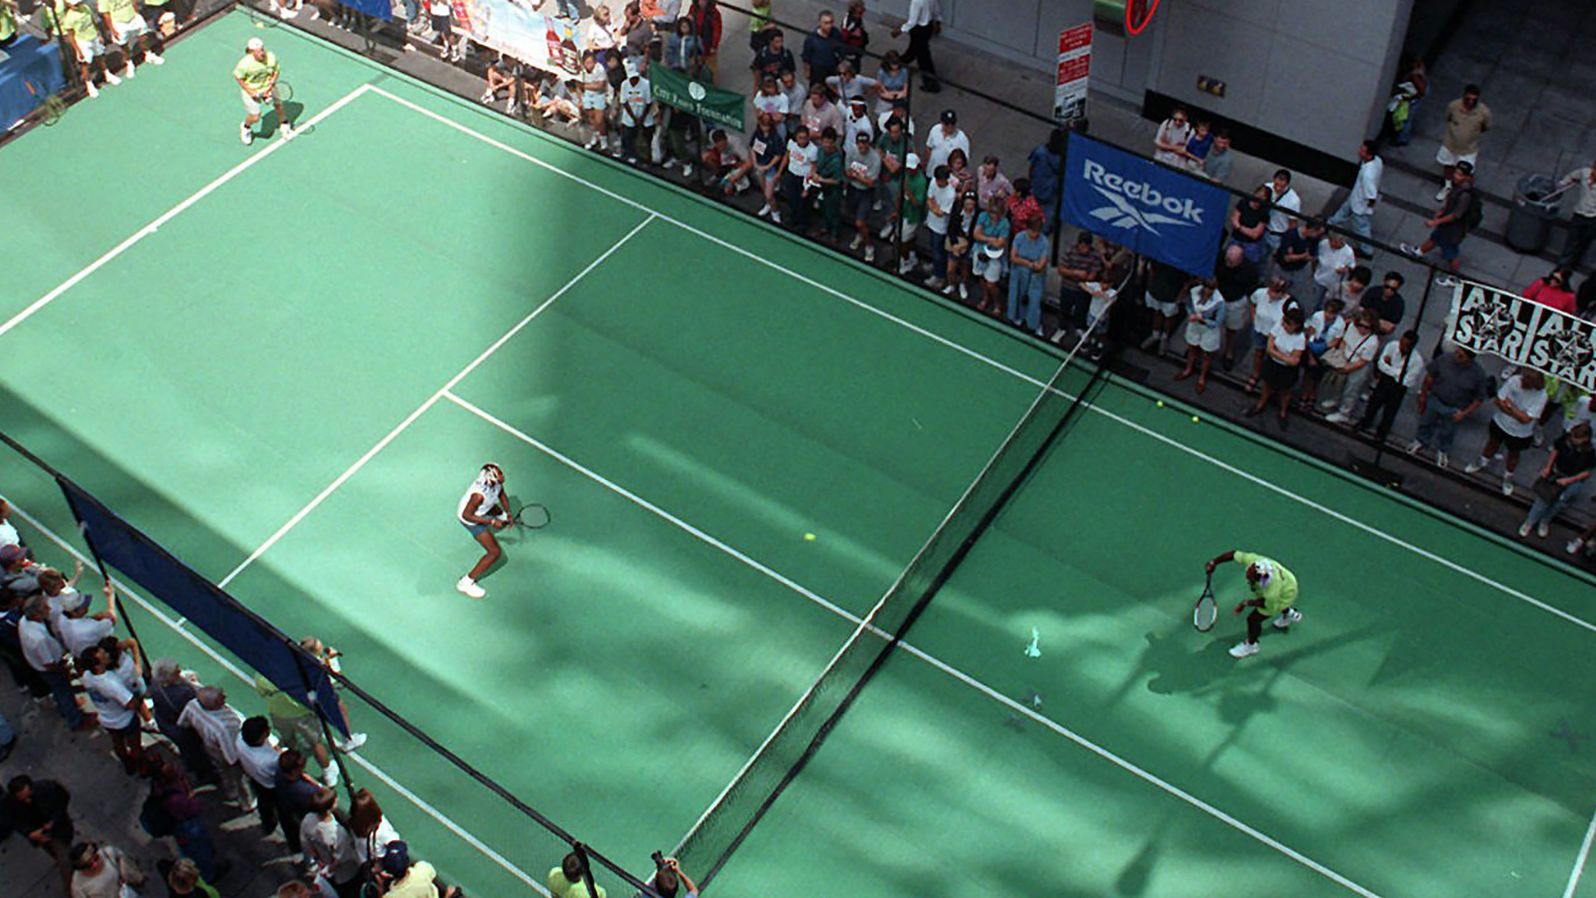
(987, 360)
(173, 212)
(858, 622)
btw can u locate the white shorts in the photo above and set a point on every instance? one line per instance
(134, 27)
(1204, 338)
(1446, 157)
(986, 267)
(1166, 309)
(1097, 307)
(907, 231)
(89, 51)
(595, 99)
(1235, 314)
(252, 105)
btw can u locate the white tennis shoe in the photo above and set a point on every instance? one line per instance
(1243, 649)
(353, 743)
(1287, 618)
(469, 587)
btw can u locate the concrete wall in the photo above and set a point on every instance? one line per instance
(1312, 72)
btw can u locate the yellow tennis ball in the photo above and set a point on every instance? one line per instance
(809, 537)
(260, 24)
(1196, 420)
(1159, 403)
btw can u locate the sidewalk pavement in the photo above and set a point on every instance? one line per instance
(105, 808)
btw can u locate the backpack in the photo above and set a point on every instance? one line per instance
(154, 818)
(1475, 213)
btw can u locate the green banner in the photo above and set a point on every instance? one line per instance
(708, 102)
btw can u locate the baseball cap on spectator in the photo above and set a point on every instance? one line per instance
(913, 161)
(631, 67)
(1466, 167)
(949, 117)
(396, 860)
(11, 554)
(255, 43)
(862, 137)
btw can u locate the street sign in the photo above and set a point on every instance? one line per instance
(1074, 67)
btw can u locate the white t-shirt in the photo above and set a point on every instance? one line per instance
(490, 493)
(377, 843)
(944, 195)
(1328, 275)
(1266, 310)
(1279, 219)
(775, 104)
(440, 8)
(939, 144)
(110, 697)
(77, 634)
(1323, 330)
(1366, 190)
(1171, 133)
(1359, 345)
(801, 159)
(1530, 402)
(636, 100)
(854, 124)
(8, 535)
(39, 648)
(330, 847)
(60, 602)
(1288, 343)
(259, 761)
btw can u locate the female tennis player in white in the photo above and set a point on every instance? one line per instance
(482, 511)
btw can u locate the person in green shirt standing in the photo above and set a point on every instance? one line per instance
(568, 880)
(828, 177)
(257, 75)
(8, 23)
(128, 30)
(915, 186)
(1274, 592)
(82, 34)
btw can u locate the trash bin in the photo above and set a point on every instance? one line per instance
(1529, 221)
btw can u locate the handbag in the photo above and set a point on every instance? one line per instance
(1548, 489)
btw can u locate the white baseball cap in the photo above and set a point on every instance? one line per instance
(913, 161)
(255, 43)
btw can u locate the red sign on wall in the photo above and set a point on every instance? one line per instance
(1074, 69)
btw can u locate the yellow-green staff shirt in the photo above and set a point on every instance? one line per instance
(79, 22)
(8, 22)
(255, 73)
(1281, 593)
(121, 11)
(564, 888)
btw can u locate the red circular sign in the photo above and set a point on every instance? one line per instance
(1138, 13)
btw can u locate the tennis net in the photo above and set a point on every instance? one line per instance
(783, 755)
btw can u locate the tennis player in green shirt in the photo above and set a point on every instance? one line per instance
(257, 75)
(1274, 592)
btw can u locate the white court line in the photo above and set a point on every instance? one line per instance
(178, 628)
(1579, 861)
(173, 212)
(422, 408)
(944, 341)
(1017, 707)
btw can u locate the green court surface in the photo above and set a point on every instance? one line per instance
(285, 362)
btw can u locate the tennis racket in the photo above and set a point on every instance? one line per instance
(285, 91)
(532, 516)
(1206, 613)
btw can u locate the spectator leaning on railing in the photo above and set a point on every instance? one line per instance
(1454, 386)
(1561, 479)
(1400, 369)
(1519, 403)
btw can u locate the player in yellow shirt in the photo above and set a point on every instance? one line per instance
(127, 28)
(1274, 592)
(257, 75)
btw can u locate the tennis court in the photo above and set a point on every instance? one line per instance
(286, 362)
